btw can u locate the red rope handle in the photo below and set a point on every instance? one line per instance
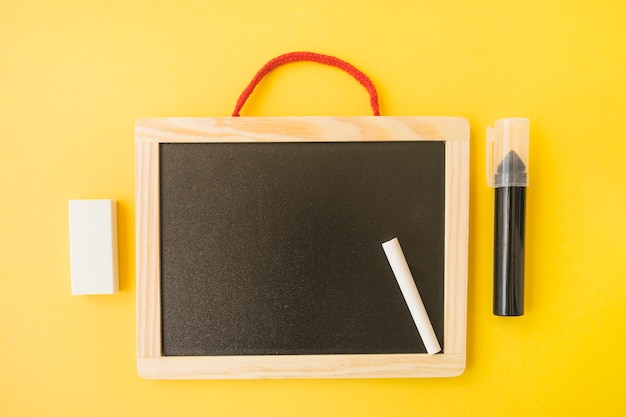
(313, 57)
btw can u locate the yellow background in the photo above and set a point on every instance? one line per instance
(75, 75)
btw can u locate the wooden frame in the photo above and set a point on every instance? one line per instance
(151, 132)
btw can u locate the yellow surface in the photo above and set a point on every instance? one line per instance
(74, 76)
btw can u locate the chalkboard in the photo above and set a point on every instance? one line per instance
(259, 245)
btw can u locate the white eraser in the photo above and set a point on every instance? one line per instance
(93, 246)
(403, 275)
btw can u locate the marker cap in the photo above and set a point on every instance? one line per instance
(507, 153)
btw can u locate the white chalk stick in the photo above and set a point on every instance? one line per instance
(93, 246)
(401, 270)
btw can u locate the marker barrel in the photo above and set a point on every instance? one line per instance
(508, 260)
(507, 172)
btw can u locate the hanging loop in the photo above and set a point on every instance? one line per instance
(363, 79)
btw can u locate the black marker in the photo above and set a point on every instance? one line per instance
(507, 171)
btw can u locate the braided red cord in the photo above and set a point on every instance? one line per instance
(309, 56)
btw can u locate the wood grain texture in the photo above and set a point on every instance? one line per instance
(150, 132)
(456, 246)
(312, 366)
(148, 297)
(299, 129)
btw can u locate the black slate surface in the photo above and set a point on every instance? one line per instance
(275, 248)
